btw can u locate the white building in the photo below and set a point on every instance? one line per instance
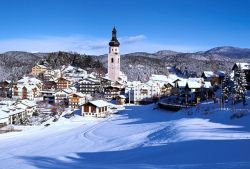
(74, 73)
(62, 95)
(97, 108)
(13, 112)
(137, 91)
(27, 88)
(163, 79)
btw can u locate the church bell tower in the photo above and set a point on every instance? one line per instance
(114, 58)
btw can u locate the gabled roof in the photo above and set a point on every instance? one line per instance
(99, 103)
(176, 80)
(169, 84)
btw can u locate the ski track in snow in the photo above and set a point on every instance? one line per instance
(138, 127)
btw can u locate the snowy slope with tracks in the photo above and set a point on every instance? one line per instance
(138, 137)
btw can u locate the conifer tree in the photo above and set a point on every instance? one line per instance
(226, 87)
(239, 89)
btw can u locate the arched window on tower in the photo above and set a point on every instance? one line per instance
(118, 60)
(112, 60)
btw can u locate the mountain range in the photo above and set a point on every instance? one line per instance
(137, 66)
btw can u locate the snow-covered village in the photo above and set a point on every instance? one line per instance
(63, 108)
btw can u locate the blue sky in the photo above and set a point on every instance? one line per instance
(143, 25)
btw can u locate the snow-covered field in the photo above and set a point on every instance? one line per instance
(138, 137)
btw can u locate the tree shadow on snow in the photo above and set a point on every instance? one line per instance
(182, 155)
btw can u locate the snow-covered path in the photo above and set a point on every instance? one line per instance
(139, 137)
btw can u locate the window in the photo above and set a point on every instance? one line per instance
(118, 60)
(112, 60)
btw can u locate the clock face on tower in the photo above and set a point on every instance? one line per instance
(114, 57)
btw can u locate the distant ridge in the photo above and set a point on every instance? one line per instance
(137, 65)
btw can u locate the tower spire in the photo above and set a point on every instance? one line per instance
(114, 41)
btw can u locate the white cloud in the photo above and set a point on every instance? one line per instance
(88, 45)
(132, 39)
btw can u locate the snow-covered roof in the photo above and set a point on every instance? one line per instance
(68, 90)
(182, 83)
(106, 78)
(21, 106)
(244, 66)
(209, 74)
(207, 85)
(122, 96)
(7, 102)
(68, 68)
(99, 103)
(164, 78)
(28, 103)
(3, 115)
(194, 83)
(29, 80)
(29, 87)
(5, 108)
(12, 110)
(91, 76)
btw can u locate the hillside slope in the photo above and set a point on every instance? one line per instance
(137, 66)
(15, 64)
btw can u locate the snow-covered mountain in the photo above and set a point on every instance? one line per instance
(137, 66)
(230, 52)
